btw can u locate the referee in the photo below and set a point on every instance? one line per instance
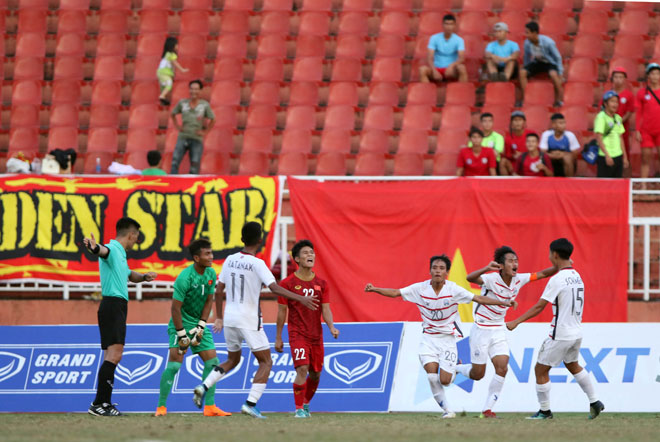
(115, 275)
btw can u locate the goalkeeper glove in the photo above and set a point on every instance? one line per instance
(183, 339)
(197, 333)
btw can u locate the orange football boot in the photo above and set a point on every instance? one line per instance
(161, 411)
(212, 410)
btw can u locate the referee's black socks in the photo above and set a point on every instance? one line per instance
(106, 379)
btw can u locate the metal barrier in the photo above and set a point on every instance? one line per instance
(640, 188)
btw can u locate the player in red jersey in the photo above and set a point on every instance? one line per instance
(305, 331)
(647, 117)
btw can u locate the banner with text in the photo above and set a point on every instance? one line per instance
(45, 218)
(623, 361)
(384, 232)
(55, 369)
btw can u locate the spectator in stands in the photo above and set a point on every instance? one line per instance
(619, 79)
(476, 160)
(491, 138)
(533, 162)
(608, 128)
(541, 56)
(197, 120)
(445, 56)
(165, 72)
(154, 159)
(561, 146)
(502, 55)
(647, 122)
(515, 142)
(59, 161)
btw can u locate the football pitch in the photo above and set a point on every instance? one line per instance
(330, 427)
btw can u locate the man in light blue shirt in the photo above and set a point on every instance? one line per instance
(445, 57)
(501, 55)
(542, 56)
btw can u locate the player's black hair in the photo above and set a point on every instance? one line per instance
(170, 44)
(532, 135)
(501, 252)
(485, 115)
(443, 258)
(563, 247)
(153, 158)
(449, 17)
(125, 224)
(251, 233)
(533, 27)
(199, 82)
(196, 246)
(297, 247)
(474, 130)
(557, 116)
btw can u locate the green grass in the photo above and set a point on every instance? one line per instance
(330, 427)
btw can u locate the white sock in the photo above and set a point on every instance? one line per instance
(543, 394)
(255, 392)
(438, 391)
(584, 381)
(213, 377)
(494, 390)
(464, 369)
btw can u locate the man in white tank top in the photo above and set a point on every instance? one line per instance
(565, 291)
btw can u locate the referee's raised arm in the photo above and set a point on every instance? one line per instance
(96, 249)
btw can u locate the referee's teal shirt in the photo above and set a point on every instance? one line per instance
(114, 271)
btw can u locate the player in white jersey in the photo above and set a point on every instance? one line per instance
(437, 300)
(565, 291)
(488, 336)
(242, 275)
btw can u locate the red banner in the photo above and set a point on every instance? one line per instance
(45, 218)
(385, 233)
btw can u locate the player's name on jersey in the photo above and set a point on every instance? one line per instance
(232, 264)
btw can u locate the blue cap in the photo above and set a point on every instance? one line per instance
(609, 94)
(652, 66)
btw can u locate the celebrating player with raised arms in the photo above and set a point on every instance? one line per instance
(437, 300)
(565, 291)
(191, 305)
(488, 335)
(242, 275)
(305, 331)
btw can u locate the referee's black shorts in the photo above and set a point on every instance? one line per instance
(112, 321)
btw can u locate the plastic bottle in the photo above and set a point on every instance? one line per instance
(36, 165)
(98, 164)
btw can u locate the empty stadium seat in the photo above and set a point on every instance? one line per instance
(275, 22)
(629, 45)
(588, 45)
(79, 5)
(155, 5)
(32, 20)
(26, 92)
(374, 141)
(258, 140)
(68, 68)
(65, 92)
(580, 94)
(292, 163)
(192, 46)
(317, 5)
(336, 140)
(577, 120)
(29, 68)
(24, 139)
(350, 46)
(343, 93)
(63, 138)
(456, 116)
(215, 163)
(634, 22)
(460, 93)
(582, 69)
(347, 69)
(537, 117)
(418, 117)
(301, 117)
(234, 22)
(308, 69)
(331, 164)
(593, 21)
(414, 141)
(103, 115)
(472, 22)
(500, 93)
(272, 45)
(145, 67)
(430, 22)
(197, 5)
(109, 68)
(106, 92)
(253, 163)
(356, 23)
(394, 23)
(310, 46)
(70, 45)
(232, 46)
(113, 22)
(141, 139)
(143, 116)
(408, 164)
(226, 93)
(30, 45)
(238, 5)
(425, 93)
(103, 139)
(25, 115)
(554, 22)
(228, 69)
(436, 5)
(387, 69)
(225, 117)
(339, 117)
(369, 164)
(150, 45)
(194, 22)
(269, 69)
(144, 92)
(63, 115)
(296, 140)
(539, 92)
(383, 93)
(219, 139)
(154, 22)
(303, 93)
(116, 5)
(71, 21)
(357, 5)
(314, 23)
(390, 46)
(444, 163)
(378, 117)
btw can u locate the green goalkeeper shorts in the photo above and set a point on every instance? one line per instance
(207, 339)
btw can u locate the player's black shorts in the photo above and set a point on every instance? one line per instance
(112, 321)
(540, 67)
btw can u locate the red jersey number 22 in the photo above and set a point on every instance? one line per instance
(308, 292)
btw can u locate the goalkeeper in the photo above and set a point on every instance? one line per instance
(191, 305)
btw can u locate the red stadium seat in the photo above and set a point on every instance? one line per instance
(25, 115)
(500, 116)
(77, 5)
(477, 5)
(331, 164)
(397, 5)
(425, 93)
(32, 20)
(539, 92)
(154, 22)
(226, 93)
(163, 5)
(336, 140)
(629, 45)
(225, 117)
(63, 138)
(588, 45)
(408, 164)
(537, 117)
(348, 69)
(141, 140)
(460, 93)
(116, 5)
(253, 163)
(143, 116)
(109, 68)
(314, 23)
(65, 92)
(582, 69)
(444, 163)
(63, 115)
(635, 22)
(232, 46)
(113, 22)
(68, 68)
(23, 139)
(192, 45)
(413, 141)
(238, 5)
(215, 163)
(475, 46)
(269, 69)
(383, 93)
(518, 5)
(632, 66)
(195, 66)
(310, 46)
(593, 22)
(150, 45)
(106, 92)
(30, 45)
(369, 164)
(374, 141)
(437, 5)
(102, 140)
(339, 117)
(144, 92)
(308, 69)
(418, 117)
(456, 117)
(219, 139)
(197, 5)
(103, 115)
(234, 22)
(292, 163)
(394, 23)
(32, 4)
(378, 117)
(578, 94)
(26, 92)
(357, 5)
(228, 69)
(390, 46)
(272, 45)
(105, 158)
(70, 45)
(350, 46)
(554, 22)
(500, 93)
(304, 93)
(343, 93)
(301, 117)
(296, 140)
(472, 23)
(516, 19)
(577, 120)
(353, 23)
(29, 68)
(317, 5)
(195, 22)
(274, 22)
(277, 5)
(71, 22)
(598, 5)
(387, 69)
(262, 116)
(144, 68)
(430, 22)
(136, 159)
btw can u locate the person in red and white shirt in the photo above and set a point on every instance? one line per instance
(514, 142)
(476, 160)
(488, 336)
(565, 291)
(534, 162)
(305, 331)
(619, 79)
(647, 120)
(437, 300)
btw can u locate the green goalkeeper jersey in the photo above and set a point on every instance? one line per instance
(193, 289)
